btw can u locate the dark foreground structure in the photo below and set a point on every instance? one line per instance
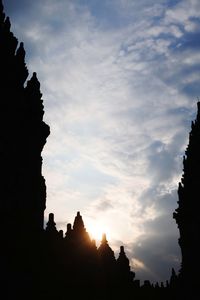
(38, 263)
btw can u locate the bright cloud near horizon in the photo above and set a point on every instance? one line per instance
(120, 81)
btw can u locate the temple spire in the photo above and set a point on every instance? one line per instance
(78, 223)
(23, 136)
(124, 270)
(79, 233)
(51, 225)
(105, 251)
(187, 213)
(104, 239)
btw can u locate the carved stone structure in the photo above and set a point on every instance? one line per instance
(23, 135)
(23, 192)
(187, 213)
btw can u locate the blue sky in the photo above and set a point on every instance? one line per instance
(120, 81)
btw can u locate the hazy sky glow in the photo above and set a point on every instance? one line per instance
(120, 81)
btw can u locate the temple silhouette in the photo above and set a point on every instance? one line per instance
(44, 263)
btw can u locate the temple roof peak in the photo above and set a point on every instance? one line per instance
(20, 51)
(122, 255)
(78, 222)
(34, 80)
(7, 23)
(104, 239)
(122, 249)
(51, 218)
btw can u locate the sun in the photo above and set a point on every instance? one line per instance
(96, 229)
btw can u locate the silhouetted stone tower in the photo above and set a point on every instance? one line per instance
(22, 137)
(124, 270)
(188, 211)
(80, 235)
(51, 226)
(107, 261)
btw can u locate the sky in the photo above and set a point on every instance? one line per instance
(120, 82)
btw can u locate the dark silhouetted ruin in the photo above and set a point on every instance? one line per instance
(187, 213)
(38, 263)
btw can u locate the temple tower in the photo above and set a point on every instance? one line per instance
(22, 137)
(187, 213)
(107, 263)
(124, 271)
(80, 234)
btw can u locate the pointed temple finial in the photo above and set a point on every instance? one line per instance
(20, 51)
(94, 243)
(69, 232)
(69, 227)
(7, 24)
(122, 250)
(51, 218)
(60, 234)
(34, 83)
(104, 239)
(34, 76)
(173, 278)
(78, 222)
(122, 257)
(51, 225)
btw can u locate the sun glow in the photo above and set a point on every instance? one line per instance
(96, 229)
